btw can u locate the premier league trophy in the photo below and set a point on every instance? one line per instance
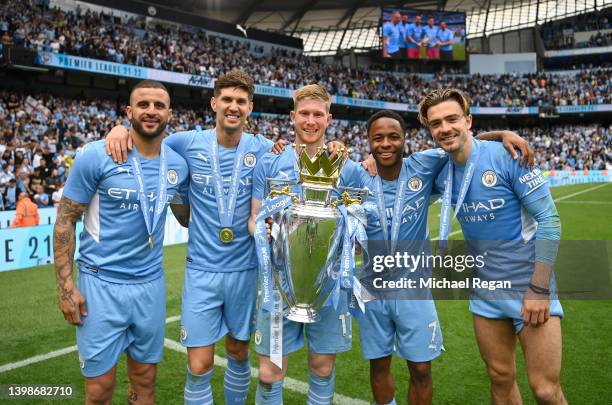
(307, 244)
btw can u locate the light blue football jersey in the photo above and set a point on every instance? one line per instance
(421, 170)
(492, 210)
(205, 250)
(115, 239)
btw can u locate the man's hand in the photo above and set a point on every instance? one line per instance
(279, 146)
(512, 141)
(72, 303)
(118, 143)
(536, 309)
(269, 222)
(370, 165)
(333, 147)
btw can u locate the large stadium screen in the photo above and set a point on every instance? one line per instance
(422, 35)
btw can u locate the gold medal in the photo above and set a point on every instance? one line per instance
(150, 242)
(226, 235)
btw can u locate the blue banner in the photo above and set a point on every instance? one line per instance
(557, 178)
(25, 247)
(592, 108)
(504, 110)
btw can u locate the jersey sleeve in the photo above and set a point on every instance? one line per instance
(179, 141)
(266, 143)
(259, 178)
(85, 175)
(529, 184)
(351, 174)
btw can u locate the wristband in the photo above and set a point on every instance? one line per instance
(539, 290)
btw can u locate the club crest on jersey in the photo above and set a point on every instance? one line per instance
(183, 333)
(489, 178)
(172, 176)
(415, 183)
(257, 337)
(250, 160)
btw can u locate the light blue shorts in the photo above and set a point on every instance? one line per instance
(409, 327)
(217, 303)
(120, 318)
(331, 335)
(508, 309)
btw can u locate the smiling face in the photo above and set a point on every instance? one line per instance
(310, 120)
(232, 106)
(149, 111)
(449, 126)
(386, 141)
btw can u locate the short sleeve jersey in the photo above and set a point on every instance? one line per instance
(393, 33)
(421, 169)
(205, 249)
(415, 32)
(115, 237)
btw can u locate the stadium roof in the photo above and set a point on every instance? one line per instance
(330, 25)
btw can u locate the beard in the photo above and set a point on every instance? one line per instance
(139, 127)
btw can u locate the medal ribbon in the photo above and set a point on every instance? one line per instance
(160, 204)
(226, 209)
(398, 207)
(445, 218)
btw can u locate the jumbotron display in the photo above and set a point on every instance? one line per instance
(423, 35)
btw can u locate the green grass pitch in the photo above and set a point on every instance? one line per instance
(32, 325)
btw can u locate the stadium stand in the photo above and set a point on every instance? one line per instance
(39, 134)
(97, 36)
(581, 31)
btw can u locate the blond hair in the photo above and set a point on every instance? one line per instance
(313, 92)
(235, 79)
(439, 96)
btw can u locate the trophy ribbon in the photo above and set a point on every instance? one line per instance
(270, 296)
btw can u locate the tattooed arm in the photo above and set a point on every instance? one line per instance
(71, 301)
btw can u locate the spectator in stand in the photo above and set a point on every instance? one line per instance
(10, 195)
(26, 213)
(41, 198)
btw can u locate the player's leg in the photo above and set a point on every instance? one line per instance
(239, 309)
(202, 325)
(142, 382)
(496, 340)
(331, 335)
(381, 380)
(99, 390)
(147, 331)
(270, 383)
(377, 332)
(420, 390)
(419, 340)
(542, 347)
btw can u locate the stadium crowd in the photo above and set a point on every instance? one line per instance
(195, 52)
(39, 135)
(560, 34)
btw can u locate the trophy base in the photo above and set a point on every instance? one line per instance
(302, 314)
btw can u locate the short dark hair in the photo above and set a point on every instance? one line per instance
(235, 78)
(386, 114)
(439, 96)
(149, 84)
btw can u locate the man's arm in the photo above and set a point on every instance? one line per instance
(512, 141)
(71, 301)
(118, 143)
(536, 304)
(181, 213)
(255, 205)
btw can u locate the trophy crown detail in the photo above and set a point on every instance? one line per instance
(320, 170)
